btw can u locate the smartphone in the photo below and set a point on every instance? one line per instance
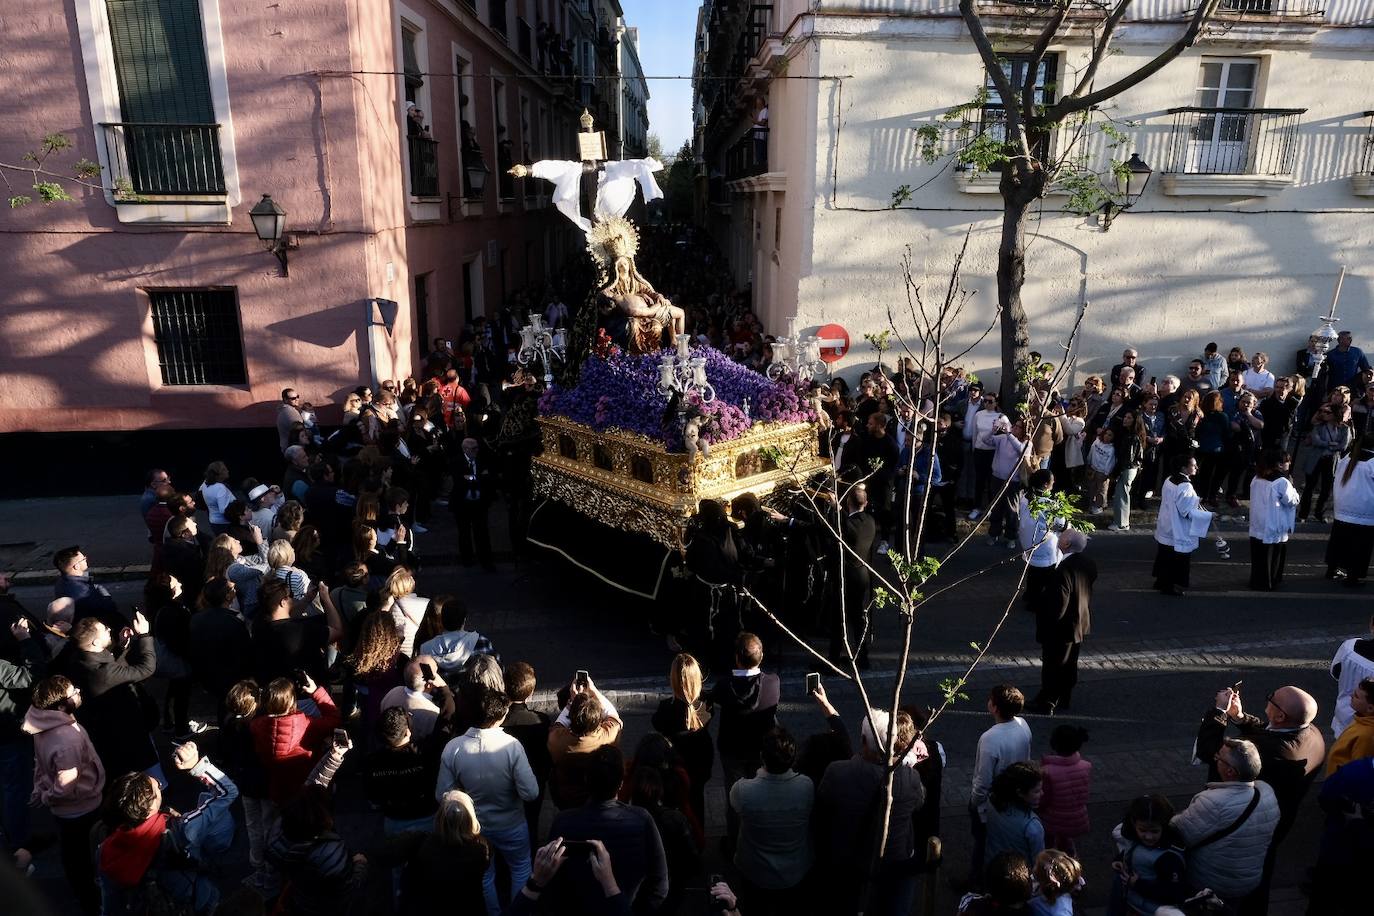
(1236, 686)
(717, 905)
(813, 682)
(581, 678)
(577, 848)
(301, 677)
(341, 737)
(428, 671)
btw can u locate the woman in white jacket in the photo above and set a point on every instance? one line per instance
(1352, 534)
(1273, 514)
(1182, 521)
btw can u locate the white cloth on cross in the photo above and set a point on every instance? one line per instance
(615, 187)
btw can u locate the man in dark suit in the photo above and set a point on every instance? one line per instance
(880, 460)
(748, 704)
(474, 483)
(1062, 620)
(1129, 360)
(1292, 751)
(859, 532)
(629, 835)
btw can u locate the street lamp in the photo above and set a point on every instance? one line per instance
(476, 171)
(1131, 180)
(269, 222)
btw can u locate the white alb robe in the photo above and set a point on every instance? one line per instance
(1182, 520)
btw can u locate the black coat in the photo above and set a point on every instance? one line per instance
(1065, 616)
(531, 728)
(748, 709)
(483, 485)
(1290, 760)
(860, 533)
(221, 652)
(185, 560)
(114, 711)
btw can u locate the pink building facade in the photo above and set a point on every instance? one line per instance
(151, 305)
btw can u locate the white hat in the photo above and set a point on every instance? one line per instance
(258, 491)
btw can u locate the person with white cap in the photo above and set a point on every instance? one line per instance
(265, 500)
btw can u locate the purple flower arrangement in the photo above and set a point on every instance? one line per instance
(621, 392)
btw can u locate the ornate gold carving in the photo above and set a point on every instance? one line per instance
(660, 509)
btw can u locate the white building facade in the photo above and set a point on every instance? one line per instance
(634, 96)
(1239, 236)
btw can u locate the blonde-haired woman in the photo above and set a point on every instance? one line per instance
(406, 608)
(682, 719)
(443, 868)
(352, 406)
(216, 495)
(281, 564)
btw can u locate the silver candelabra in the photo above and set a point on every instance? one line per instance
(799, 357)
(541, 344)
(681, 373)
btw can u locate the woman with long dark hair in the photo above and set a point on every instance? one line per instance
(171, 628)
(1330, 436)
(1273, 502)
(1131, 444)
(1352, 534)
(1213, 438)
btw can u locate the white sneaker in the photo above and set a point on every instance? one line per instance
(975, 514)
(1149, 494)
(992, 542)
(883, 548)
(1011, 545)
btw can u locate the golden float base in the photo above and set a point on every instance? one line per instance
(633, 483)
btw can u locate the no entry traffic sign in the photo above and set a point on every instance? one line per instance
(833, 341)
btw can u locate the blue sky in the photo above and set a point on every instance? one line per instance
(667, 36)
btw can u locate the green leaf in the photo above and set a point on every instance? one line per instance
(57, 141)
(20, 200)
(85, 168)
(51, 191)
(900, 196)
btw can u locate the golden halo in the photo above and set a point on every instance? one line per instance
(611, 239)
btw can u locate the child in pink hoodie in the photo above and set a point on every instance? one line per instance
(68, 779)
(1067, 782)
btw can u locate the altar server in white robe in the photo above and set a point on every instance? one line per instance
(1182, 523)
(1273, 512)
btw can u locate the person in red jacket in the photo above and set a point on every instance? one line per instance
(1066, 780)
(287, 741)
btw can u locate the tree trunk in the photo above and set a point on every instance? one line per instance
(1020, 189)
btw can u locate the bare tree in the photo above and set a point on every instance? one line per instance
(908, 577)
(1026, 175)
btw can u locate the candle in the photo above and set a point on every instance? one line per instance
(665, 372)
(526, 338)
(536, 322)
(699, 371)
(682, 341)
(558, 339)
(792, 327)
(1335, 296)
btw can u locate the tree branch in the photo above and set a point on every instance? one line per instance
(1070, 105)
(1037, 55)
(1100, 48)
(1014, 127)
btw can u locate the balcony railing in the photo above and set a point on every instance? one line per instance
(1367, 147)
(165, 160)
(748, 156)
(1234, 141)
(424, 167)
(1279, 9)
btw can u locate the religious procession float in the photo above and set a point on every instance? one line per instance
(643, 424)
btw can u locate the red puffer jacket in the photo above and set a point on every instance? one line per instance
(289, 745)
(1064, 807)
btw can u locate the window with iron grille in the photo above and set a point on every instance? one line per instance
(197, 334)
(1015, 67)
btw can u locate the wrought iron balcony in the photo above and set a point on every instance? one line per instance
(424, 167)
(748, 156)
(1234, 141)
(1278, 9)
(165, 160)
(1367, 152)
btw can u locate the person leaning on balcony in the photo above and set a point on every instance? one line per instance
(415, 122)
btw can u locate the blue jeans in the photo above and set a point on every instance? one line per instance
(16, 785)
(514, 846)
